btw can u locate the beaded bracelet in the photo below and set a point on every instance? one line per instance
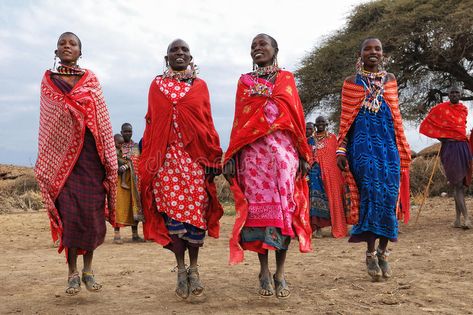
(341, 151)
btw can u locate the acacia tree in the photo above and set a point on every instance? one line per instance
(429, 44)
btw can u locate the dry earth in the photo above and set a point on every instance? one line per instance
(433, 266)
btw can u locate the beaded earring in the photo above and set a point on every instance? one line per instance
(194, 69)
(166, 65)
(359, 65)
(275, 61)
(255, 67)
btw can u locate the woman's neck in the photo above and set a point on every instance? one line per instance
(373, 69)
(71, 64)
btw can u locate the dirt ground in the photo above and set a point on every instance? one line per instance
(433, 266)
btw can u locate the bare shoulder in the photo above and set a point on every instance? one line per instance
(390, 77)
(350, 79)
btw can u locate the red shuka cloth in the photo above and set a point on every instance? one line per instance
(446, 120)
(326, 156)
(62, 124)
(352, 99)
(200, 140)
(250, 124)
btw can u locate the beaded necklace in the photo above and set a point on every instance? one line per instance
(188, 74)
(68, 70)
(262, 71)
(319, 136)
(373, 83)
(259, 88)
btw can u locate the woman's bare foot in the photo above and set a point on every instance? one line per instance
(457, 224)
(468, 225)
(317, 233)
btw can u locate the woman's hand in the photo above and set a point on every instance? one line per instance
(304, 167)
(342, 162)
(229, 170)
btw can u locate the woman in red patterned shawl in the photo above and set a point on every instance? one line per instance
(266, 163)
(77, 164)
(181, 155)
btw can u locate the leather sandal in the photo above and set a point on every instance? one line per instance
(73, 284)
(89, 281)
(195, 286)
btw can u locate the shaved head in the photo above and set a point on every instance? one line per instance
(178, 41)
(455, 88)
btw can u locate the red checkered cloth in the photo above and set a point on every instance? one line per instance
(63, 121)
(81, 201)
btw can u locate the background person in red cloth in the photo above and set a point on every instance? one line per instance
(326, 202)
(266, 163)
(181, 155)
(77, 163)
(447, 123)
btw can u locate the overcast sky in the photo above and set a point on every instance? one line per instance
(124, 43)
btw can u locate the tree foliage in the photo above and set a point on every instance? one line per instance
(429, 44)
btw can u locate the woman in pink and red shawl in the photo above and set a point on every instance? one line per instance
(77, 164)
(265, 163)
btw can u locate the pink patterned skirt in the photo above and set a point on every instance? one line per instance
(266, 172)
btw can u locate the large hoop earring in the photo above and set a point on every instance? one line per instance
(54, 64)
(194, 68)
(166, 65)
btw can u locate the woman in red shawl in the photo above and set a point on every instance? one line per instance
(77, 164)
(447, 122)
(181, 155)
(266, 163)
(326, 183)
